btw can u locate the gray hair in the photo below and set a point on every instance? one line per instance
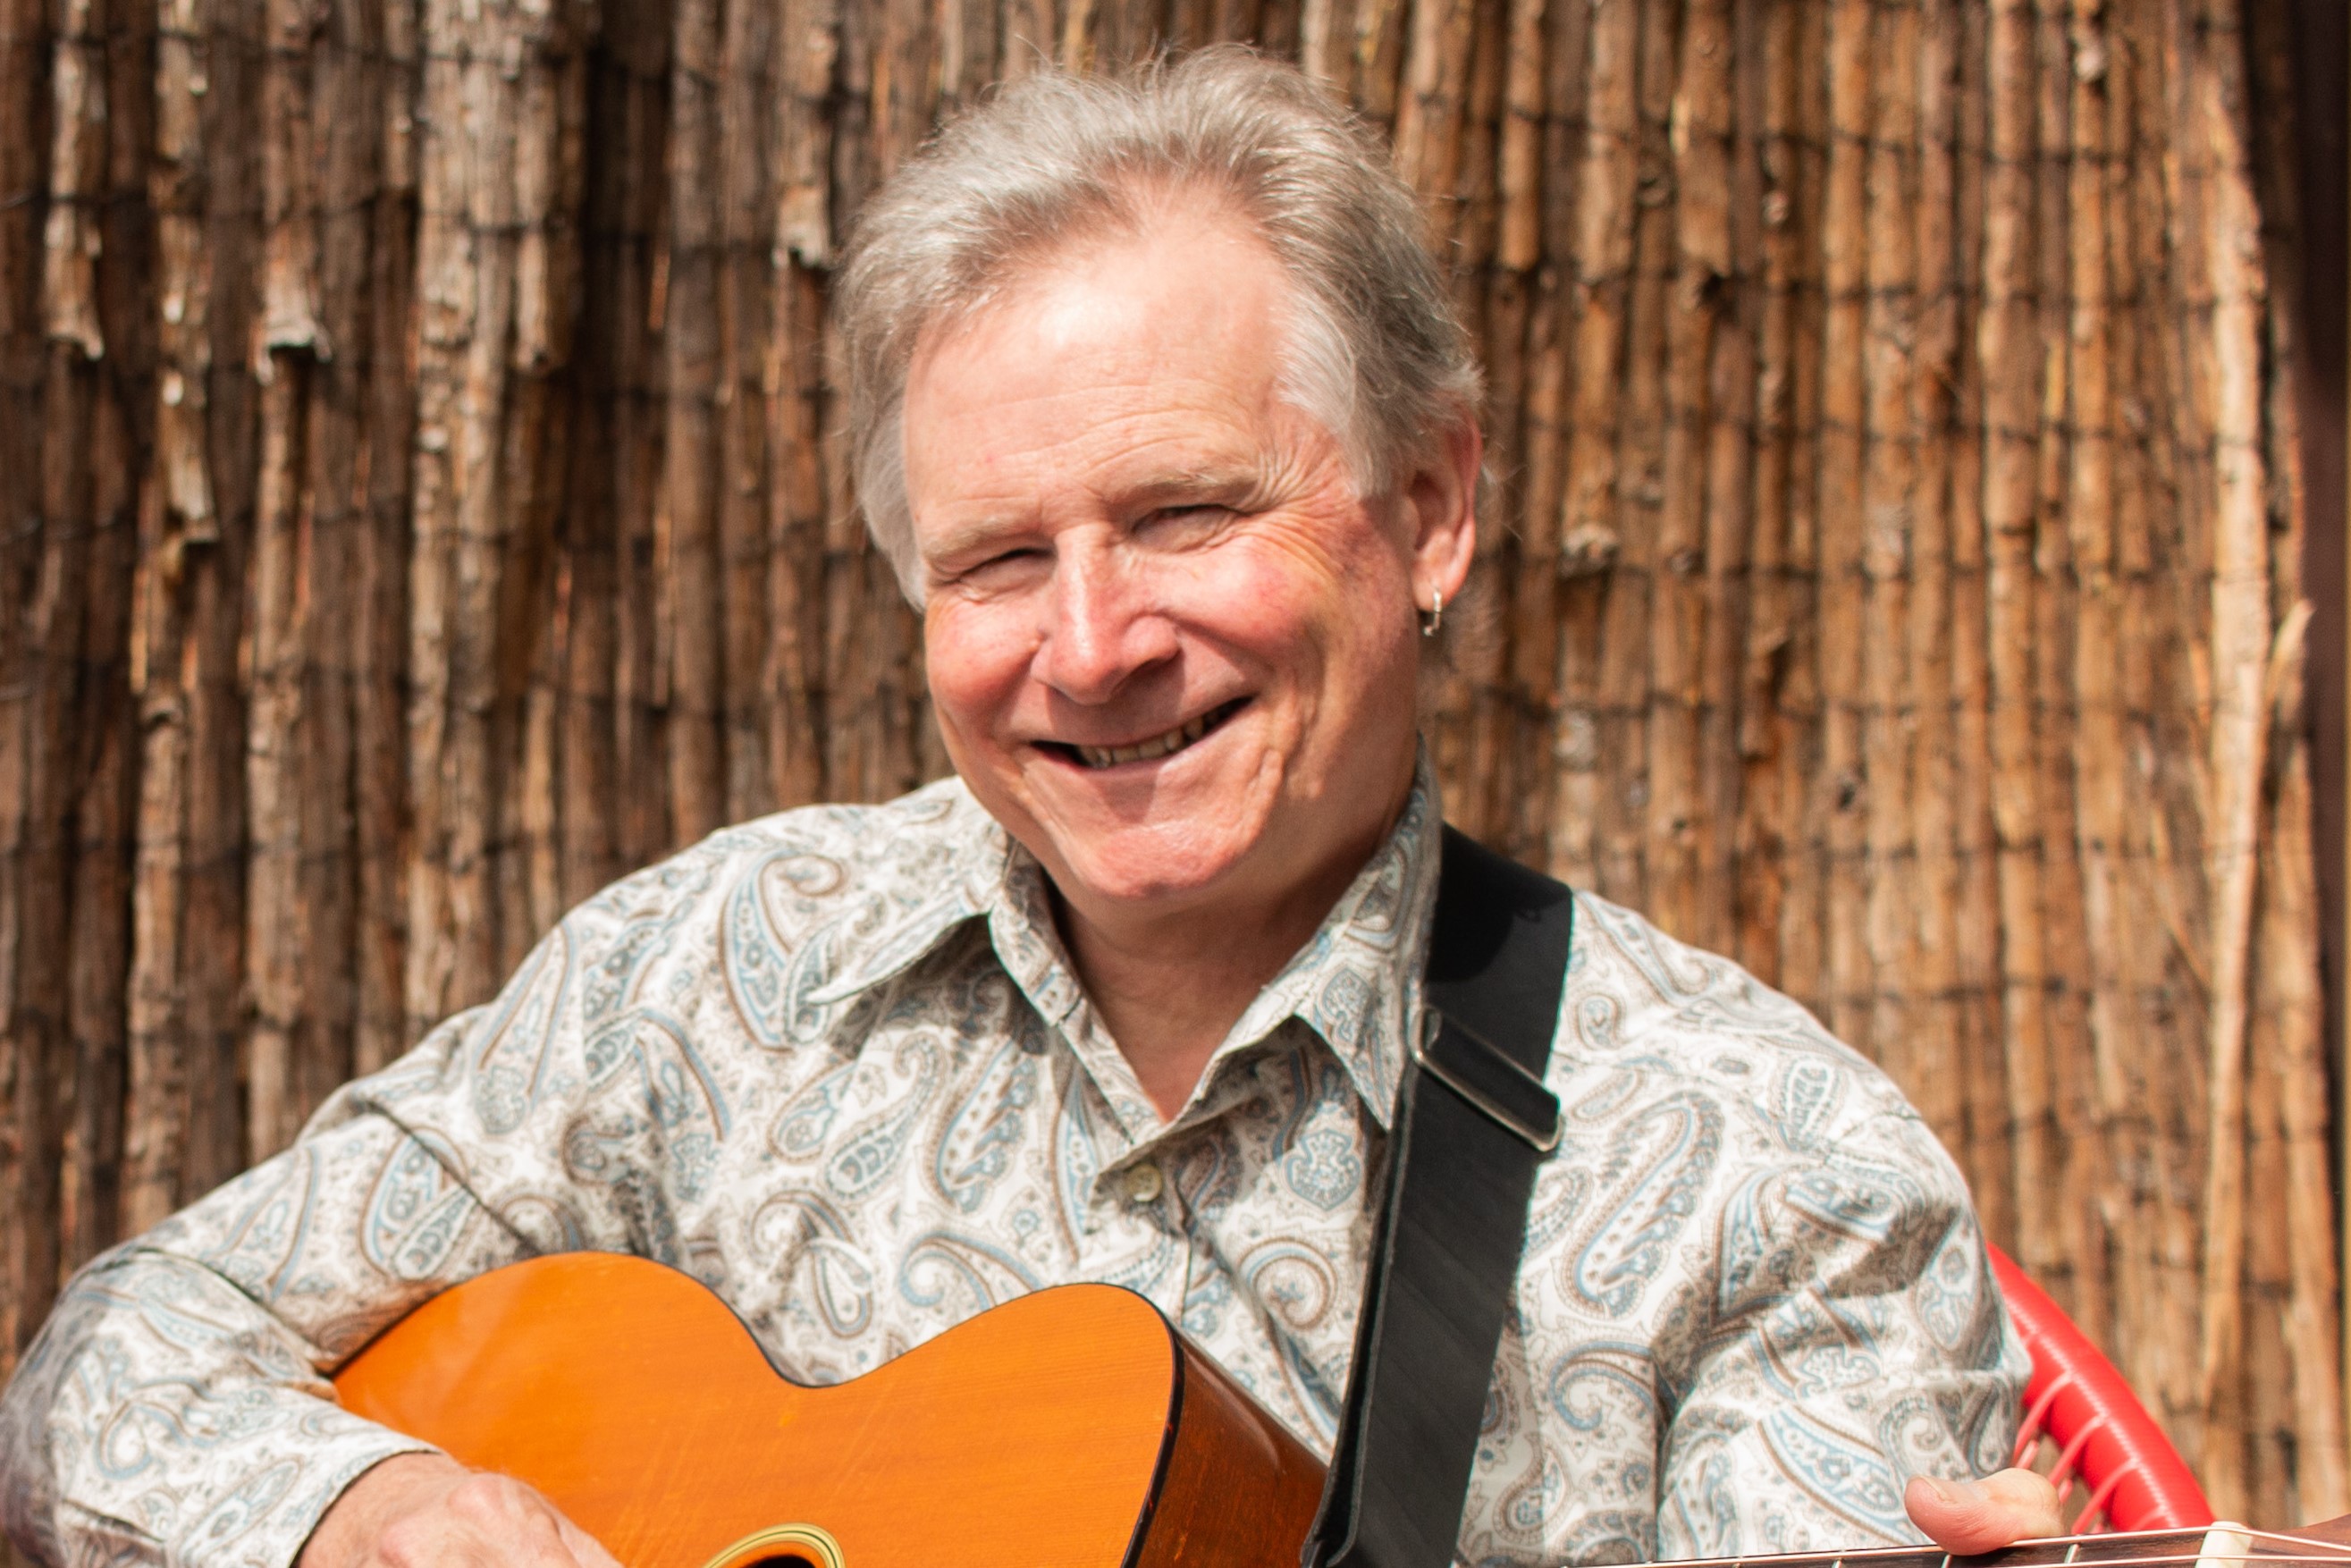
(1375, 350)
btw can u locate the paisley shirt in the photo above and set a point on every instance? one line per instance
(836, 1064)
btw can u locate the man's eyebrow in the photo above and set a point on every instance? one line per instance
(1241, 480)
(961, 538)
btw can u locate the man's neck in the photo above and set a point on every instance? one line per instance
(1170, 991)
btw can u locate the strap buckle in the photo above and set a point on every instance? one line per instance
(1486, 1076)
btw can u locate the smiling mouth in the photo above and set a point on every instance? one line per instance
(1158, 746)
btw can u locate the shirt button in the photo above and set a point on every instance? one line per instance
(1143, 1183)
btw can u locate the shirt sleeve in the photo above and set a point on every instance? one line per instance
(176, 1406)
(1856, 1338)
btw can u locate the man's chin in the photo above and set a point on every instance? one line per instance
(1141, 882)
(1175, 839)
(1172, 865)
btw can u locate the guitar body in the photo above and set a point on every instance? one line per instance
(1071, 1429)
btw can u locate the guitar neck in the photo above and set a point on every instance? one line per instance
(2220, 1545)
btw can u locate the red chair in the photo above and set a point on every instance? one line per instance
(2104, 1439)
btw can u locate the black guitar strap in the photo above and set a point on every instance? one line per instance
(1473, 1121)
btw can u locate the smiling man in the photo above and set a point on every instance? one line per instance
(1160, 409)
(1145, 575)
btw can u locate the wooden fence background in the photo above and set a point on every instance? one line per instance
(414, 511)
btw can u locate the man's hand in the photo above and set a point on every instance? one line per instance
(1966, 1517)
(424, 1510)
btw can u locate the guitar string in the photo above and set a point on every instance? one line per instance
(2169, 1557)
(2338, 1555)
(2301, 1541)
(2305, 1551)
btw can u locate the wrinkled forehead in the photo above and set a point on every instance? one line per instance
(1101, 378)
(1139, 338)
(1124, 211)
(1130, 266)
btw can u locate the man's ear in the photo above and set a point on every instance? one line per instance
(1441, 508)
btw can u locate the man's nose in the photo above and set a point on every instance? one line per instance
(1103, 629)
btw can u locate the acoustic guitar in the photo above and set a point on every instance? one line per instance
(1071, 1428)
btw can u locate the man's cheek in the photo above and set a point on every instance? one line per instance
(1260, 603)
(973, 666)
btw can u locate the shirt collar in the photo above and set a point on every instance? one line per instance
(893, 936)
(1356, 983)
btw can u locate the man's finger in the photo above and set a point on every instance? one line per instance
(538, 1535)
(1968, 1517)
(585, 1549)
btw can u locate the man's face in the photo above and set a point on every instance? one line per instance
(1171, 649)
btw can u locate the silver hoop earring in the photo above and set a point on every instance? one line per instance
(1434, 615)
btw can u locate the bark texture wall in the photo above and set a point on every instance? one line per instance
(415, 510)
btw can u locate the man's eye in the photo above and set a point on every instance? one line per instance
(1001, 564)
(1187, 517)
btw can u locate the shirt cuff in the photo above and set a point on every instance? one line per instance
(283, 1485)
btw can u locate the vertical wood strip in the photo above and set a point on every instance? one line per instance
(24, 64)
(279, 943)
(214, 564)
(1838, 807)
(179, 518)
(1935, 1029)
(1493, 308)
(2240, 725)
(1679, 897)
(275, 941)
(685, 520)
(1763, 739)
(2290, 995)
(1553, 642)
(810, 43)
(1802, 967)
(41, 768)
(1728, 462)
(1598, 306)
(2100, 780)
(499, 185)
(379, 636)
(2007, 342)
(105, 740)
(1525, 355)
(2063, 959)
(2153, 1301)
(1989, 1143)
(749, 282)
(1890, 503)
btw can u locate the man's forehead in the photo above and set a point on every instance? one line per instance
(1232, 481)
(1201, 225)
(1158, 285)
(1144, 378)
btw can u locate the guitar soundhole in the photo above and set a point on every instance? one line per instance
(783, 1546)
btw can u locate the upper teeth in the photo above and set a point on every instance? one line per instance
(1174, 740)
